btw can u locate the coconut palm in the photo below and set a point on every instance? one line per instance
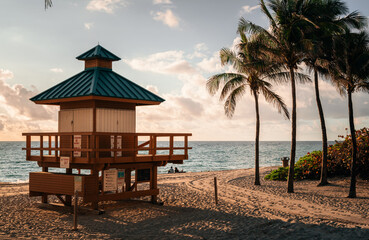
(284, 42)
(326, 15)
(350, 73)
(251, 73)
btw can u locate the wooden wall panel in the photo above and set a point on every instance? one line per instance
(98, 63)
(66, 121)
(82, 120)
(115, 120)
(75, 120)
(51, 183)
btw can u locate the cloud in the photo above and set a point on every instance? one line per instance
(5, 74)
(167, 17)
(56, 70)
(249, 9)
(152, 89)
(169, 62)
(107, 6)
(17, 113)
(155, 2)
(211, 64)
(88, 26)
(200, 50)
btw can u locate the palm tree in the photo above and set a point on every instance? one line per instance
(250, 73)
(284, 43)
(350, 73)
(326, 15)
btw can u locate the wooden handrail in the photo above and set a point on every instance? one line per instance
(92, 150)
(143, 144)
(105, 133)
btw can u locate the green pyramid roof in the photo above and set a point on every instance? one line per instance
(98, 82)
(98, 52)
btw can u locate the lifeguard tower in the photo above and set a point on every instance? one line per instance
(97, 132)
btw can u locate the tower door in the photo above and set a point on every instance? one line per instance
(66, 121)
(76, 120)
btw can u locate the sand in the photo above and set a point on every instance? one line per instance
(244, 211)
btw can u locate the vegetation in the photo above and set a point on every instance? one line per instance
(284, 42)
(350, 73)
(251, 72)
(319, 50)
(312, 31)
(338, 164)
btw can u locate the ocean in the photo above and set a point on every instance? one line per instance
(204, 156)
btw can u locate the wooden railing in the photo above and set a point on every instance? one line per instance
(96, 147)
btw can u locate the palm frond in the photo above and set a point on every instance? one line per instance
(276, 100)
(267, 13)
(280, 77)
(302, 78)
(231, 101)
(213, 84)
(231, 84)
(362, 86)
(247, 26)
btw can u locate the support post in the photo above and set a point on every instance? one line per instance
(75, 224)
(154, 180)
(95, 203)
(68, 198)
(128, 178)
(44, 195)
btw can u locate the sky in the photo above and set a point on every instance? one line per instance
(170, 47)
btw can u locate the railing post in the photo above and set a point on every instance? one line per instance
(28, 146)
(171, 139)
(115, 148)
(49, 144)
(56, 146)
(88, 148)
(150, 145)
(135, 146)
(97, 148)
(154, 145)
(186, 146)
(42, 148)
(72, 147)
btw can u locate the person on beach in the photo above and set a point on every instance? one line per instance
(171, 170)
(176, 170)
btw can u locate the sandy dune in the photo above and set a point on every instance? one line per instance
(244, 211)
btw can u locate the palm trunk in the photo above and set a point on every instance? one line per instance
(291, 172)
(324, 170)
(352, 193)
(257, 175)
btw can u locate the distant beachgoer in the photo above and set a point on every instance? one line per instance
(171, 170)
(176, 170)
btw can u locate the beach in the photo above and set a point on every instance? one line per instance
(189, 211)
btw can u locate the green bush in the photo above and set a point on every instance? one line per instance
(278, 174)
(338, 162)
